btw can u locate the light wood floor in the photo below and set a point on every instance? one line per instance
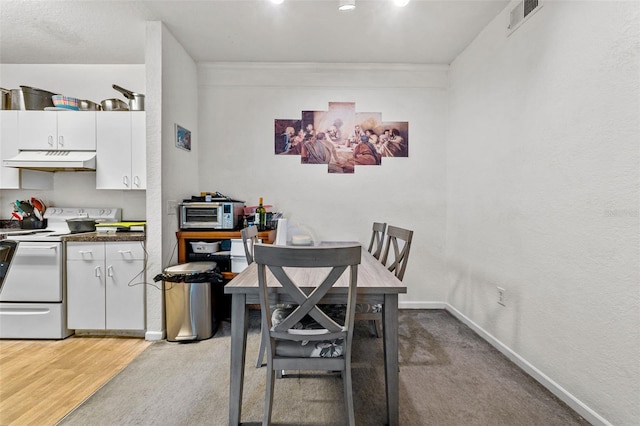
(42, 380)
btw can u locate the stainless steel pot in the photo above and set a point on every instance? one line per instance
(136, 100)
(85, 105)
(17, 99)
(81, 224)
(5, 100)
(31, 98)
(114, 105)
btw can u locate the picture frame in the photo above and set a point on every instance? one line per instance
(183, 138)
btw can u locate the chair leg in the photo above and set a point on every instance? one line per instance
(262, 349)
(268, 401)
(348, 394)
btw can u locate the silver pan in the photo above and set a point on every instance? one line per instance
(85, 105)
(136, 100)
(114, 105)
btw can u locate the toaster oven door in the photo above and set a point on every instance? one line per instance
(197, 216)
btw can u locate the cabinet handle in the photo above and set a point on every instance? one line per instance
(136, 181)
(60, 140)
(85, 251)
(98, 272)
(110, 271)
(50, 141)
(125, 181)
(124, 251)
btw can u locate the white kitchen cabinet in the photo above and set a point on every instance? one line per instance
(121, 150)
(11, 177)
(104, 285)
(57, 130)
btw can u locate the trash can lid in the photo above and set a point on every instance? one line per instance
(190, 268)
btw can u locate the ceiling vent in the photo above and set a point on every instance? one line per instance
(521, 12)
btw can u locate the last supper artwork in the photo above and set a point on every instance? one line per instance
(342, 138)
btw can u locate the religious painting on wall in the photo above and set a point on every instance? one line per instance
(341, 138)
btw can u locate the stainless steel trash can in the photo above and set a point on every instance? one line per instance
(189, 302)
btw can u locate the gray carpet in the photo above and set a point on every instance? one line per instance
(448, 376)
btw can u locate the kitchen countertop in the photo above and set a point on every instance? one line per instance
(104, 237)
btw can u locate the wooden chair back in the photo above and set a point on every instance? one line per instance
(400, 250)
(377, 239)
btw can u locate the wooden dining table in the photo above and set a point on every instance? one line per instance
(375, 285)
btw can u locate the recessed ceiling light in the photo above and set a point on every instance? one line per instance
(347, 5)
(277, 1)
(401, 3)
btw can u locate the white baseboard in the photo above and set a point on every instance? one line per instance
(422, 305)
(153, 336)
(573, 402)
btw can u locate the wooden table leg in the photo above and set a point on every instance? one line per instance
(392, 379)
(239, 324)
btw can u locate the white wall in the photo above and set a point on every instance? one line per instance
(91, 82)
(542, 197)
(238, 106)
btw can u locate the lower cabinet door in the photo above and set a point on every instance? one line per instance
(125, 286)
(85, 294)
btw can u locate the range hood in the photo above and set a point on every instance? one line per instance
(53, 161)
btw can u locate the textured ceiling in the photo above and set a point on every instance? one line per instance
(101, 32)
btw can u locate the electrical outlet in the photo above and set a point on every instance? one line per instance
(501, 296)
(172, 207)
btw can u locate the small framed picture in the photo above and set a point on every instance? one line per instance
(183, 138)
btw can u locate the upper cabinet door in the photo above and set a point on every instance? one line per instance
(113, 153)
(38, 130)
(77, 130)
(138, 150)
(64, 130)
(9, 176)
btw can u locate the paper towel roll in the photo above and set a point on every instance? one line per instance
(281, 233)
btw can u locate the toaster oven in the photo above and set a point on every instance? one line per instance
(210, 215)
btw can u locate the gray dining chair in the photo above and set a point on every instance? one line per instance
(377, 239)
(400, 240)
(249, 239)
(365, 311)
(248, 234)
(326, 345)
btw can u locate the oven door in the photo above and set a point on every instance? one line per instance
(35, 274)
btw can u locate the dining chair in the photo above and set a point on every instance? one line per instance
(366, 311)
(377, 239)
(326, 345)
(249, 239)
(400, 240)
(400, 250)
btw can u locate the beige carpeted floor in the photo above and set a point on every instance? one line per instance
(448, 376)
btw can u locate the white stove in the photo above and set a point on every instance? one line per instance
(33, 294)
(57, 223)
